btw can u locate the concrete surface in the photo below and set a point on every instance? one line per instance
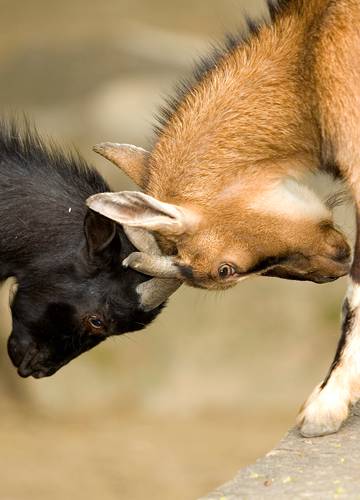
(321, 468)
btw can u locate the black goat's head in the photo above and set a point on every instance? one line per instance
(74, 304)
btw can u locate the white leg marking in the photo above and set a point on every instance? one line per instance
(328, 406)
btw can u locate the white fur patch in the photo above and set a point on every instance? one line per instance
(293, 199)
(353, 295)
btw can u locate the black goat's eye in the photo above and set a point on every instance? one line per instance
(226, 271)
(95, 324)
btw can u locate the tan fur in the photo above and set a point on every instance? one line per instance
(273, 109)
(270, 110)
(251, 118)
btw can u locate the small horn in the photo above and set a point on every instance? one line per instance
(130, 159)
(142, 240)
(152, 265)
(156, 291)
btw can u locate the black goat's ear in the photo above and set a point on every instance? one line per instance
(99, 232)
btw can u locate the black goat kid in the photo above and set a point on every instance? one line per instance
(72, 291)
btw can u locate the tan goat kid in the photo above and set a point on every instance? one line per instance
(224, 192)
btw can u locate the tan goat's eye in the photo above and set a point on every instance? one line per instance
(226, 271)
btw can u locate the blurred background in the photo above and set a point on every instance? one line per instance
(172, 412)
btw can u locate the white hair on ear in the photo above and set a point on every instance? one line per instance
(12, 290)
(293, 199)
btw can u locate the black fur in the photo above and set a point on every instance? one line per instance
(187, 272)
(73, 292)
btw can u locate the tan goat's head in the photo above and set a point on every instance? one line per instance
(282, 230)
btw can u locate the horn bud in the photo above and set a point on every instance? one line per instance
(130, 159)
(150, 261)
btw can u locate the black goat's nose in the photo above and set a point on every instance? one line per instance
(19, 347)
(26, 366)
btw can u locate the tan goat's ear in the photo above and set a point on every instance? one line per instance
(140, 210)
(131, 159)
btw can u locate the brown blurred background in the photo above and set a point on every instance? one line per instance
(172, 412)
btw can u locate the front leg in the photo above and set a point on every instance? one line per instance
(328, 406)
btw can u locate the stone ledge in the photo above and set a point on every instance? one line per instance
(320, 468)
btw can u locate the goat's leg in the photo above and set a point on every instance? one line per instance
(328, 406)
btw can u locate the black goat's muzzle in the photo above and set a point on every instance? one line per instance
(29, 359)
